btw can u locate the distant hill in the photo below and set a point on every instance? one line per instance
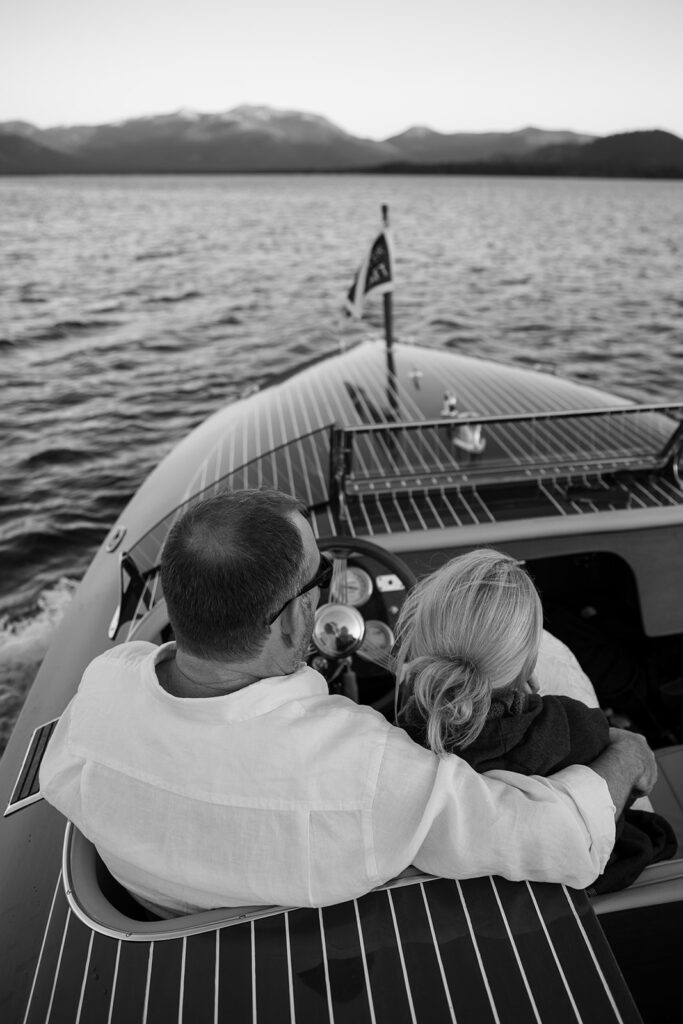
(20, 155)
(422, 145)
(650, 153)
(643, 154)
(262, 139)
(248, 138)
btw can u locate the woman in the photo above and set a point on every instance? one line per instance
(470, 635)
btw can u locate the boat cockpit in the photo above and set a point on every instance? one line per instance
(602, 597)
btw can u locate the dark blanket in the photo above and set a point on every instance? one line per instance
(536, 735)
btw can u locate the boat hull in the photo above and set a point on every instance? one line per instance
(420, 951)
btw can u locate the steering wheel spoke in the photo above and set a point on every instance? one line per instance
(376, 655)
(339, 584)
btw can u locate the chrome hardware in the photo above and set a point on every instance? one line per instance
(385, 584)
(115, 537)
(339, 630)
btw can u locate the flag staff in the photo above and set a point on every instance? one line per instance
(388, 309)
(392, 395)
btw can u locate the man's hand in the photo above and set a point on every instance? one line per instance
(635, 747)
(627, 765)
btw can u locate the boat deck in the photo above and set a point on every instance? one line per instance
(403, 478)
(437, 950)
(375, 450)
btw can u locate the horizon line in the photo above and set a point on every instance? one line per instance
(307, 113)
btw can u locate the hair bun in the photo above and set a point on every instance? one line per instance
(462, 662)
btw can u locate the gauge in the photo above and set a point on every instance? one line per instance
(677, 466)
(354, 587)
(377, 642)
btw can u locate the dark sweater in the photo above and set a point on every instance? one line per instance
(535, 735)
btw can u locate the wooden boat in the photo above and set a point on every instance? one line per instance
(585, 487)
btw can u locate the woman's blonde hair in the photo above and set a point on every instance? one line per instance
(469, 628)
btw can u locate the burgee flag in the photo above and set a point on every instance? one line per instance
(375, 274)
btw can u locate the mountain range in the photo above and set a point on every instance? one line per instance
(260, 139)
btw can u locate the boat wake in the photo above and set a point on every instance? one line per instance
(23, 643)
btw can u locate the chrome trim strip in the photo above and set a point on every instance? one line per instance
(439, 520)
(416, 510)
(544, 490)
(381, 512)
(487, 510)
(401, 516)
(330, 1009)
(456, 517)
(181, 994)
(598, 968)
(515, 951)
(253, 972)
(290, 980)
(368, 990)
(216, 976)
(399, 947)
(57, 968)
(85, 978)
(114, 981)
(367, 519)
(42, 947)
(480, 961)
(438, 954)
(554, 953)
(467, 506)
(147, 981)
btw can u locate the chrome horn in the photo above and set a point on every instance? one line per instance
(338, 630)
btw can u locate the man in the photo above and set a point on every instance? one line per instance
(220, 772)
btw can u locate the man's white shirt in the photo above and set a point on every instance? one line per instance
(279, 793)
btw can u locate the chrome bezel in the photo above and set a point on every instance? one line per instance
(383, 628)
(365, 585)
(677, 466)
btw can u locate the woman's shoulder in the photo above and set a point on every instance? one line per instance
(412, 721)
(558, 672)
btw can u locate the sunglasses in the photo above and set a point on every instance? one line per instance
(322, 578)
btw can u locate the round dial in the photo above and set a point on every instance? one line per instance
(677, 466)
(354, 587)
(377, 642)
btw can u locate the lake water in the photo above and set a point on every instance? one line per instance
(132, 307)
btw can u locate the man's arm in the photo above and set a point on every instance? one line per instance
(627, 765)
(444, 817)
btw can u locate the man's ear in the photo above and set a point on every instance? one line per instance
(289, 622)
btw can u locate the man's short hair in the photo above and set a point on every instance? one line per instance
(229, 562)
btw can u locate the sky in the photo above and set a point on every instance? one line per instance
(373, 67)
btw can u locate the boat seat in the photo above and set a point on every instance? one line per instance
(104, 905)
(663, 882)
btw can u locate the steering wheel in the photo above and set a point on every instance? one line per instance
(354, 627)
